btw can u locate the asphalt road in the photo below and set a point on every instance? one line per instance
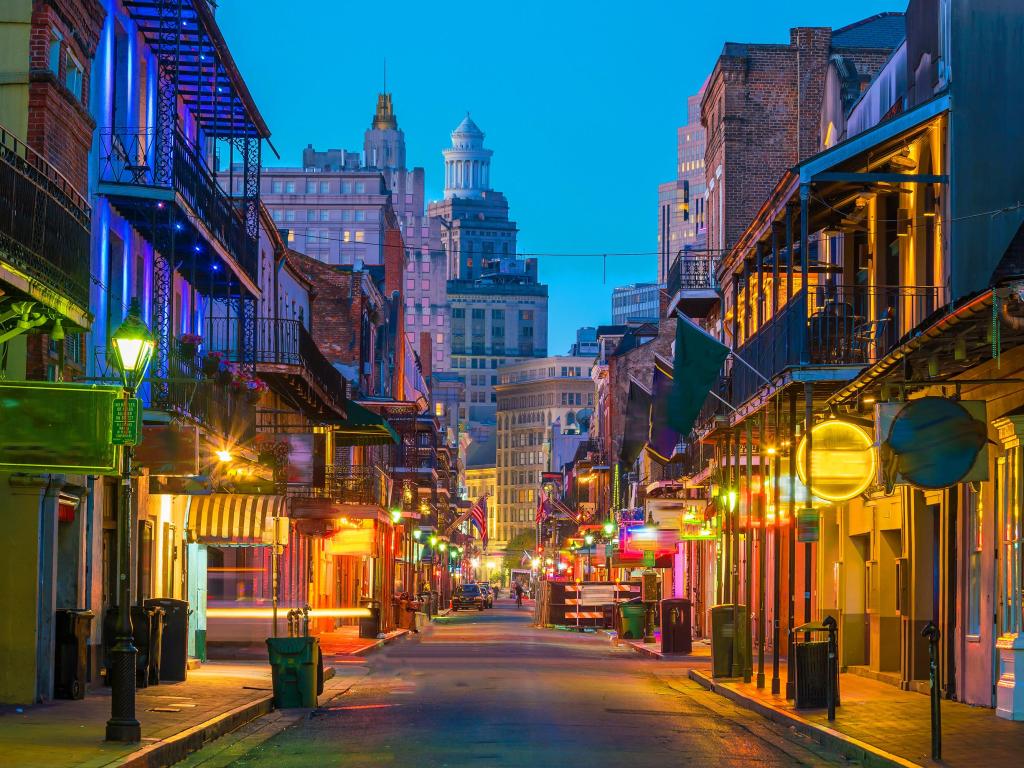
(487, 689)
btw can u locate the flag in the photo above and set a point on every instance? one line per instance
(542, 504)
(698, 361)
(478, 516)
(662, 437)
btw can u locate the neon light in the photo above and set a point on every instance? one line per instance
(268, 613)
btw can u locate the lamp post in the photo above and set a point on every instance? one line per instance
(589, 539)
(133, 345)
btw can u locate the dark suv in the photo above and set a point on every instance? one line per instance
(468, 596)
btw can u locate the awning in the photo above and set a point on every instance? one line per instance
(363, 427)
(231, 519)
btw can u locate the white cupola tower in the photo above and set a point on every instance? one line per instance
(467, 164)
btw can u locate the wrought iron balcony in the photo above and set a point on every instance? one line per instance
(690, 272)
(44, 223)
(131, 164)
(836, 325)
(362, 485)
(187, 392)
(283, 349)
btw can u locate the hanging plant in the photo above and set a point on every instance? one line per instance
(212, 363)
(189, 344)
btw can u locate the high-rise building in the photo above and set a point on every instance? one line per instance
(532, 395)
(499, 310)
(338, 204)
(636, 303)
(681, 201)
(586, 344)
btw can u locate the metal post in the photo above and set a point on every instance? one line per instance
(831, 694)
(776, 550)
(123, 725)
(808, 422)
(726, 569)
(790, 621)
(275, 585)
(789, 252)
(734, 547)
(762, 540)
(747, 559)
(775, 270)
(931, 633)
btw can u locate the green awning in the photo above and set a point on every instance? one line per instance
(363, 427)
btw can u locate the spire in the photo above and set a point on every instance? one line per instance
(384, 118)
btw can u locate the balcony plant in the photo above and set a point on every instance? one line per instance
(244, 383)
(213, 362)
(189, 344)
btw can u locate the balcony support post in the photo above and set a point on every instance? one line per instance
(808, 423)
(789, 252)
(735, 311)
(790, 619)
(747, 313)
(776, 547)
(775, 269)
(759, 250)
(805, 195)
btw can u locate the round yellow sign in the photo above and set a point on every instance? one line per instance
(842, 460)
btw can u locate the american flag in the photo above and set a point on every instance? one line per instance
(478, 515)
(542, 504)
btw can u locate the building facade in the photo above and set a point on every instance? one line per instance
(681, 223)
(533, 395)
(636, 303)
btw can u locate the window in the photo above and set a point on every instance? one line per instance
(325, 215)
(410, 284)
(346, 188)
(310, 187)
(346, 236)
(289, 187)
(439, 338)
(346, 215)
(278, 215)
(310, 215)
(325, 187)
(425, 285)
(360, 188)
(73, 76)
(974, 542)
(425, 266)
(360, 235)
(289, 216)
(277, 186)
(53, 60)
(360, 215)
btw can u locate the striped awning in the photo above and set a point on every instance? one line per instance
(232, 519)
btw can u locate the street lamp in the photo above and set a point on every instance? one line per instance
(589, 539)
(133, 345)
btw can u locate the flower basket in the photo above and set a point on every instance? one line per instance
(224, 376)
(212, 364)
(189, 344)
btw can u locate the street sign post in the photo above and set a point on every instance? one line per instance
(126, 421)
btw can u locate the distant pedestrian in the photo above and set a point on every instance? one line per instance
(519, 594)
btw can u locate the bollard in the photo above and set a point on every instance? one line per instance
(832, 670)
(931, 633)
(304, 613)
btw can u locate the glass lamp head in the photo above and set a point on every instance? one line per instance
(133, 345)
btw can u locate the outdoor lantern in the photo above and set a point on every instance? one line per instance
(843, 460)
(589, 538)
(609, 528)
(133, 344)
(396, 516)
(416, 534)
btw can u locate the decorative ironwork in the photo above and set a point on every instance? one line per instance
(690, 272)
(169, 34)
(44, 222)
(348, 485)
(161, 319)
(248, 332)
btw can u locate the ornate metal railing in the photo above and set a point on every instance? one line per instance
(131, 156)
(44, 222)
(834, 325)
(348, 485)
(690, 272)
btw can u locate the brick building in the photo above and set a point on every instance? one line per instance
(761, 112)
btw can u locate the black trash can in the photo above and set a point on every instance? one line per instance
(174, 639)
(71, 662)
(676, 631)
(369, 626)
(142, 635)
(156, 642)
(728, 642)
(811, 674)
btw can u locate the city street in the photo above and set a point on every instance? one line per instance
(489, 689)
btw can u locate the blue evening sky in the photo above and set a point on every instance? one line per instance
(579, 101)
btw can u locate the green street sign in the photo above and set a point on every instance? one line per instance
(126, 421)
(807, 526)
(649, 559)
(609, 549)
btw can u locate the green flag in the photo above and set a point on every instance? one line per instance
(698, 361)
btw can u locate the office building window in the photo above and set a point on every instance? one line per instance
(289, 187)
(360, 215)
(360, 235)
(360, 187)
(325, 215)
(277, 186)
(325, 187)
(346, 188)
(310, 187)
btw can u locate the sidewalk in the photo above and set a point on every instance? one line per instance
(701, 651)
(879, 724)
(217, 698)
(345, 641)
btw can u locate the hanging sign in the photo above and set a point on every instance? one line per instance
(649, 559)
(842, 460)
(808, 526)
(126, 421)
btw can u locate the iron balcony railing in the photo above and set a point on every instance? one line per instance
(204, 399)
(367, 485)
(690, 272)
(44, 222)
(277, 342)
(833, 325)
(129, 156)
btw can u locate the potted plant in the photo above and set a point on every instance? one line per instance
(255, 389)
(225, 374)
(212, 363)
(189, 344)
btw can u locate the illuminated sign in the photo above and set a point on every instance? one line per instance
(641, 538)
(842, 460)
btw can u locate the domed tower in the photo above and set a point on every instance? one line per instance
(467, 164)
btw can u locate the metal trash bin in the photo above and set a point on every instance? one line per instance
(369, 626)
(729, 648)
(427, 599)
(676, 626)
(812, 666)
(71, 654)
(631, 618)
(174, 638)
(294, 665)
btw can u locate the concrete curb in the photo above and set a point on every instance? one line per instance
(382, 642)
(181, 745)
(854, 749)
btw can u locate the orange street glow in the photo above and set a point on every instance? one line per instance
(268, 613)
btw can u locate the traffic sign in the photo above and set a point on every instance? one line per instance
(126, 421)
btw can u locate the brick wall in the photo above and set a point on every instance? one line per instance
(335, 314)
(59, 125)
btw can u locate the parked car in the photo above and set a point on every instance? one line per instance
(468, 596)
(488, 592)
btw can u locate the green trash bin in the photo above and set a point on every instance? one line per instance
(633, 616)
(294, 662)
(724, 641)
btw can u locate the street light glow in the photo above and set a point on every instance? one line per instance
(224, 456)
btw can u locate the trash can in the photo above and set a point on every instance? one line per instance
(174, 637)
(728, 647)
(294, 663)
(156, 643)
(369, 626)
(812, 666)
(71, 662)
(676, 632)
(632, 617)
